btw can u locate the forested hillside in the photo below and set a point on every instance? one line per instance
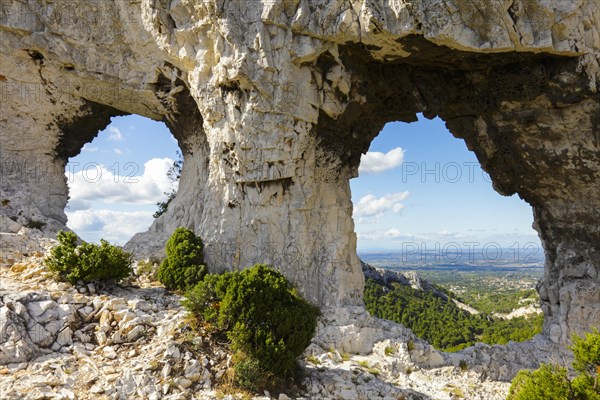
(439, 321)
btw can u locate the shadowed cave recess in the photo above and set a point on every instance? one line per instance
(268, 154)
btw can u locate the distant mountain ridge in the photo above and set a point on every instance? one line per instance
(409, 278)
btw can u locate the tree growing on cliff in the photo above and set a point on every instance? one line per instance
(174, 173)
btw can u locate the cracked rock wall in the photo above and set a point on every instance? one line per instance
(273, 102)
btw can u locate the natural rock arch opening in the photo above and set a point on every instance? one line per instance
(509, 112)
(421, 186)
(70, 115)
(118, 178)
(179, 112)
(423, 205)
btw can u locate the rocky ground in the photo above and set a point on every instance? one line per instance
(133, 341)
(523, 311)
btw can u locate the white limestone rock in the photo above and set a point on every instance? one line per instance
(273, 104)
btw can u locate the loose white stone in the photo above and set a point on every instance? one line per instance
(166, 371)
(101, 337)
(172, 352)
(36, 309)
(109, 352)
(65, 337)
(96, 389)
(139, 304)
(183, 382)
(135, 333)
(116, 304)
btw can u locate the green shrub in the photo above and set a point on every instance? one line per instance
(87, 262)
(248, 373)
(586, 351)
(389, 350)
(552, 382)
(264, 318)
(313, 360)
(205, 298)
(184, 266)
(547, 382)
(585, 387)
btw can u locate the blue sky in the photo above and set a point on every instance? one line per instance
(418, 184)
(117, 179)
(436, 192)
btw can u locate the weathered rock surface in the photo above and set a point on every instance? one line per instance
(60, 341)
(273, 103)
(69, 342)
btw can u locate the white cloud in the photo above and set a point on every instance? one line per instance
(114, 134)
(373, 207)
(375, 162)
(100, 184)
(446, 233)
(78, 204)
(118, 151)
(84, 221)
(114, 226)
(396, 234)
(88, 148)
(392, 234)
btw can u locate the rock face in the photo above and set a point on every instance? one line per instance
(273, 103)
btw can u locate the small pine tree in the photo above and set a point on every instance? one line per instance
(268, 323)
(271, 323)
(184, 266)
(63, 257)
(586, 351)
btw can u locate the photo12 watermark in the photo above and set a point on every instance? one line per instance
(438, 172)
(92, 172)
(469, 252)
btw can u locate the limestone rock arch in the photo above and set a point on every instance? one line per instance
(273, 103)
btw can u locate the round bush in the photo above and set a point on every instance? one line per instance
(184, 266)
(264, 317)
(88, 262)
